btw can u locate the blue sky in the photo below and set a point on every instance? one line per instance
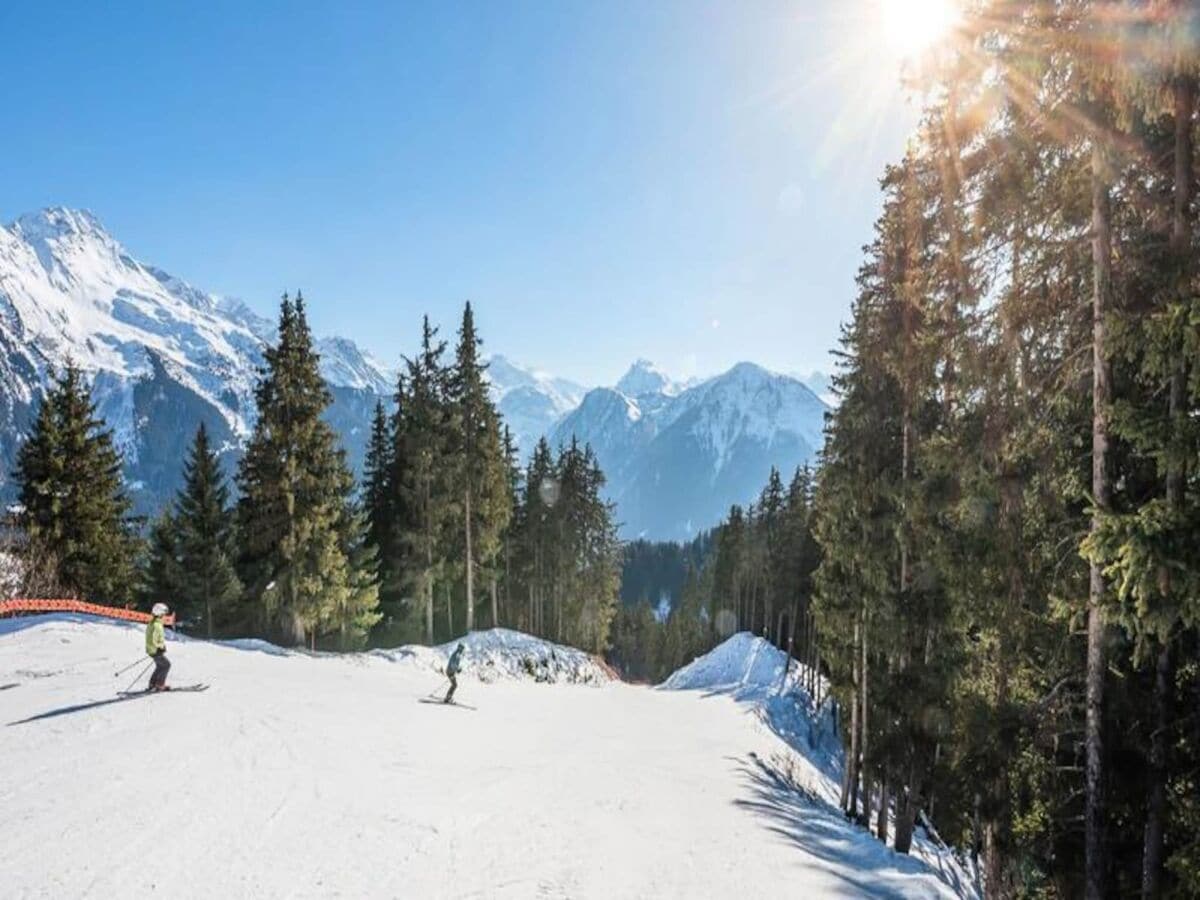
(685, 181)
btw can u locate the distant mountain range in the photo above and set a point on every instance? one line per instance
(165, 355)
(678, 456)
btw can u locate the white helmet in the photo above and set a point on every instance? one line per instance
(159, 609)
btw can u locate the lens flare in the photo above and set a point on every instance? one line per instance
(913, 26)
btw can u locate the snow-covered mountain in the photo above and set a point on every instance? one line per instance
(163, 354)
(644, 378)
(530, 401)
(677, 457)
(820, 383)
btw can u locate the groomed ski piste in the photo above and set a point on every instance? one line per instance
(302, 775)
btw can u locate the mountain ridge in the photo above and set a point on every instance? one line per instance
(163, 355)
(676, 461)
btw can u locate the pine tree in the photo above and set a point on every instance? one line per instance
(162, 575)
(295, 494)
(421, 495)
(204, 539)
(354, 612)
(378, 502)
(74, 507)
(480, 474)
(512, 527)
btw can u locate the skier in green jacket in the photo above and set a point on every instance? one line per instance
(156, 648)
(453, 667)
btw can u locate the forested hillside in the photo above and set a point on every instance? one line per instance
(1003, 577)
(1007, 506)
(446, 533)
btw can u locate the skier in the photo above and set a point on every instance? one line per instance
(156, 648)
(453, 667)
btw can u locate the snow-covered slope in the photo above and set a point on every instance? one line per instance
(742, 664)
(317, 776)
(757, 675)
(677, 459)
(163, 354)
(530, 401)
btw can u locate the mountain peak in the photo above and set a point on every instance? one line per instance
(748, 370)
(644, 377)
(59, 221)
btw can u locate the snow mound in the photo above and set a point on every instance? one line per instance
(503, 654)
(743, 664)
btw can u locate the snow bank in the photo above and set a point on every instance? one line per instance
(757, 674)
(501, 653)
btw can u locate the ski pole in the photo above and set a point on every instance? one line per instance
(127, 668)
(138, 676)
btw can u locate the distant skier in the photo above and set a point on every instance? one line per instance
(453, 667)
(156, 648)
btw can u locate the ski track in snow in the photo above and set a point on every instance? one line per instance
(305, 775)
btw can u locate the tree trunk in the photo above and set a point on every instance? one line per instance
(908, 804)
(791, 643)
(508, 602)
(1156, 793)
(428, 567)
(814, 660)
(993, 863)
(881, 822)
(750, 624)
(850, 779)
(428, 609)
(470, 562)
(952, 175)
(1101, 398)
(816, 670)
(495, 604)
(862, 717)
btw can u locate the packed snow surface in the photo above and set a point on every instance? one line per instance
(306, 775)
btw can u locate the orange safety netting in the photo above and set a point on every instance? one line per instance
(17, 606)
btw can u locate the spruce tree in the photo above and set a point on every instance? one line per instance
(421, 485)
(296, 489)
(162, 575)
(481, 477)
(203, 523)
(74, 507)
(377, 494)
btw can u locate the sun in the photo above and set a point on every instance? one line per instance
(913, 26)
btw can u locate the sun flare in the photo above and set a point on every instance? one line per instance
(913, 26)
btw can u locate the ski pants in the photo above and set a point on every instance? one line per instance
(453, 688)
(161, 666)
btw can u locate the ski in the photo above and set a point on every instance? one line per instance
(432, 702)
(182, 689)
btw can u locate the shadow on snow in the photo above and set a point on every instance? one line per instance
(78, 707)
(821, 832)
